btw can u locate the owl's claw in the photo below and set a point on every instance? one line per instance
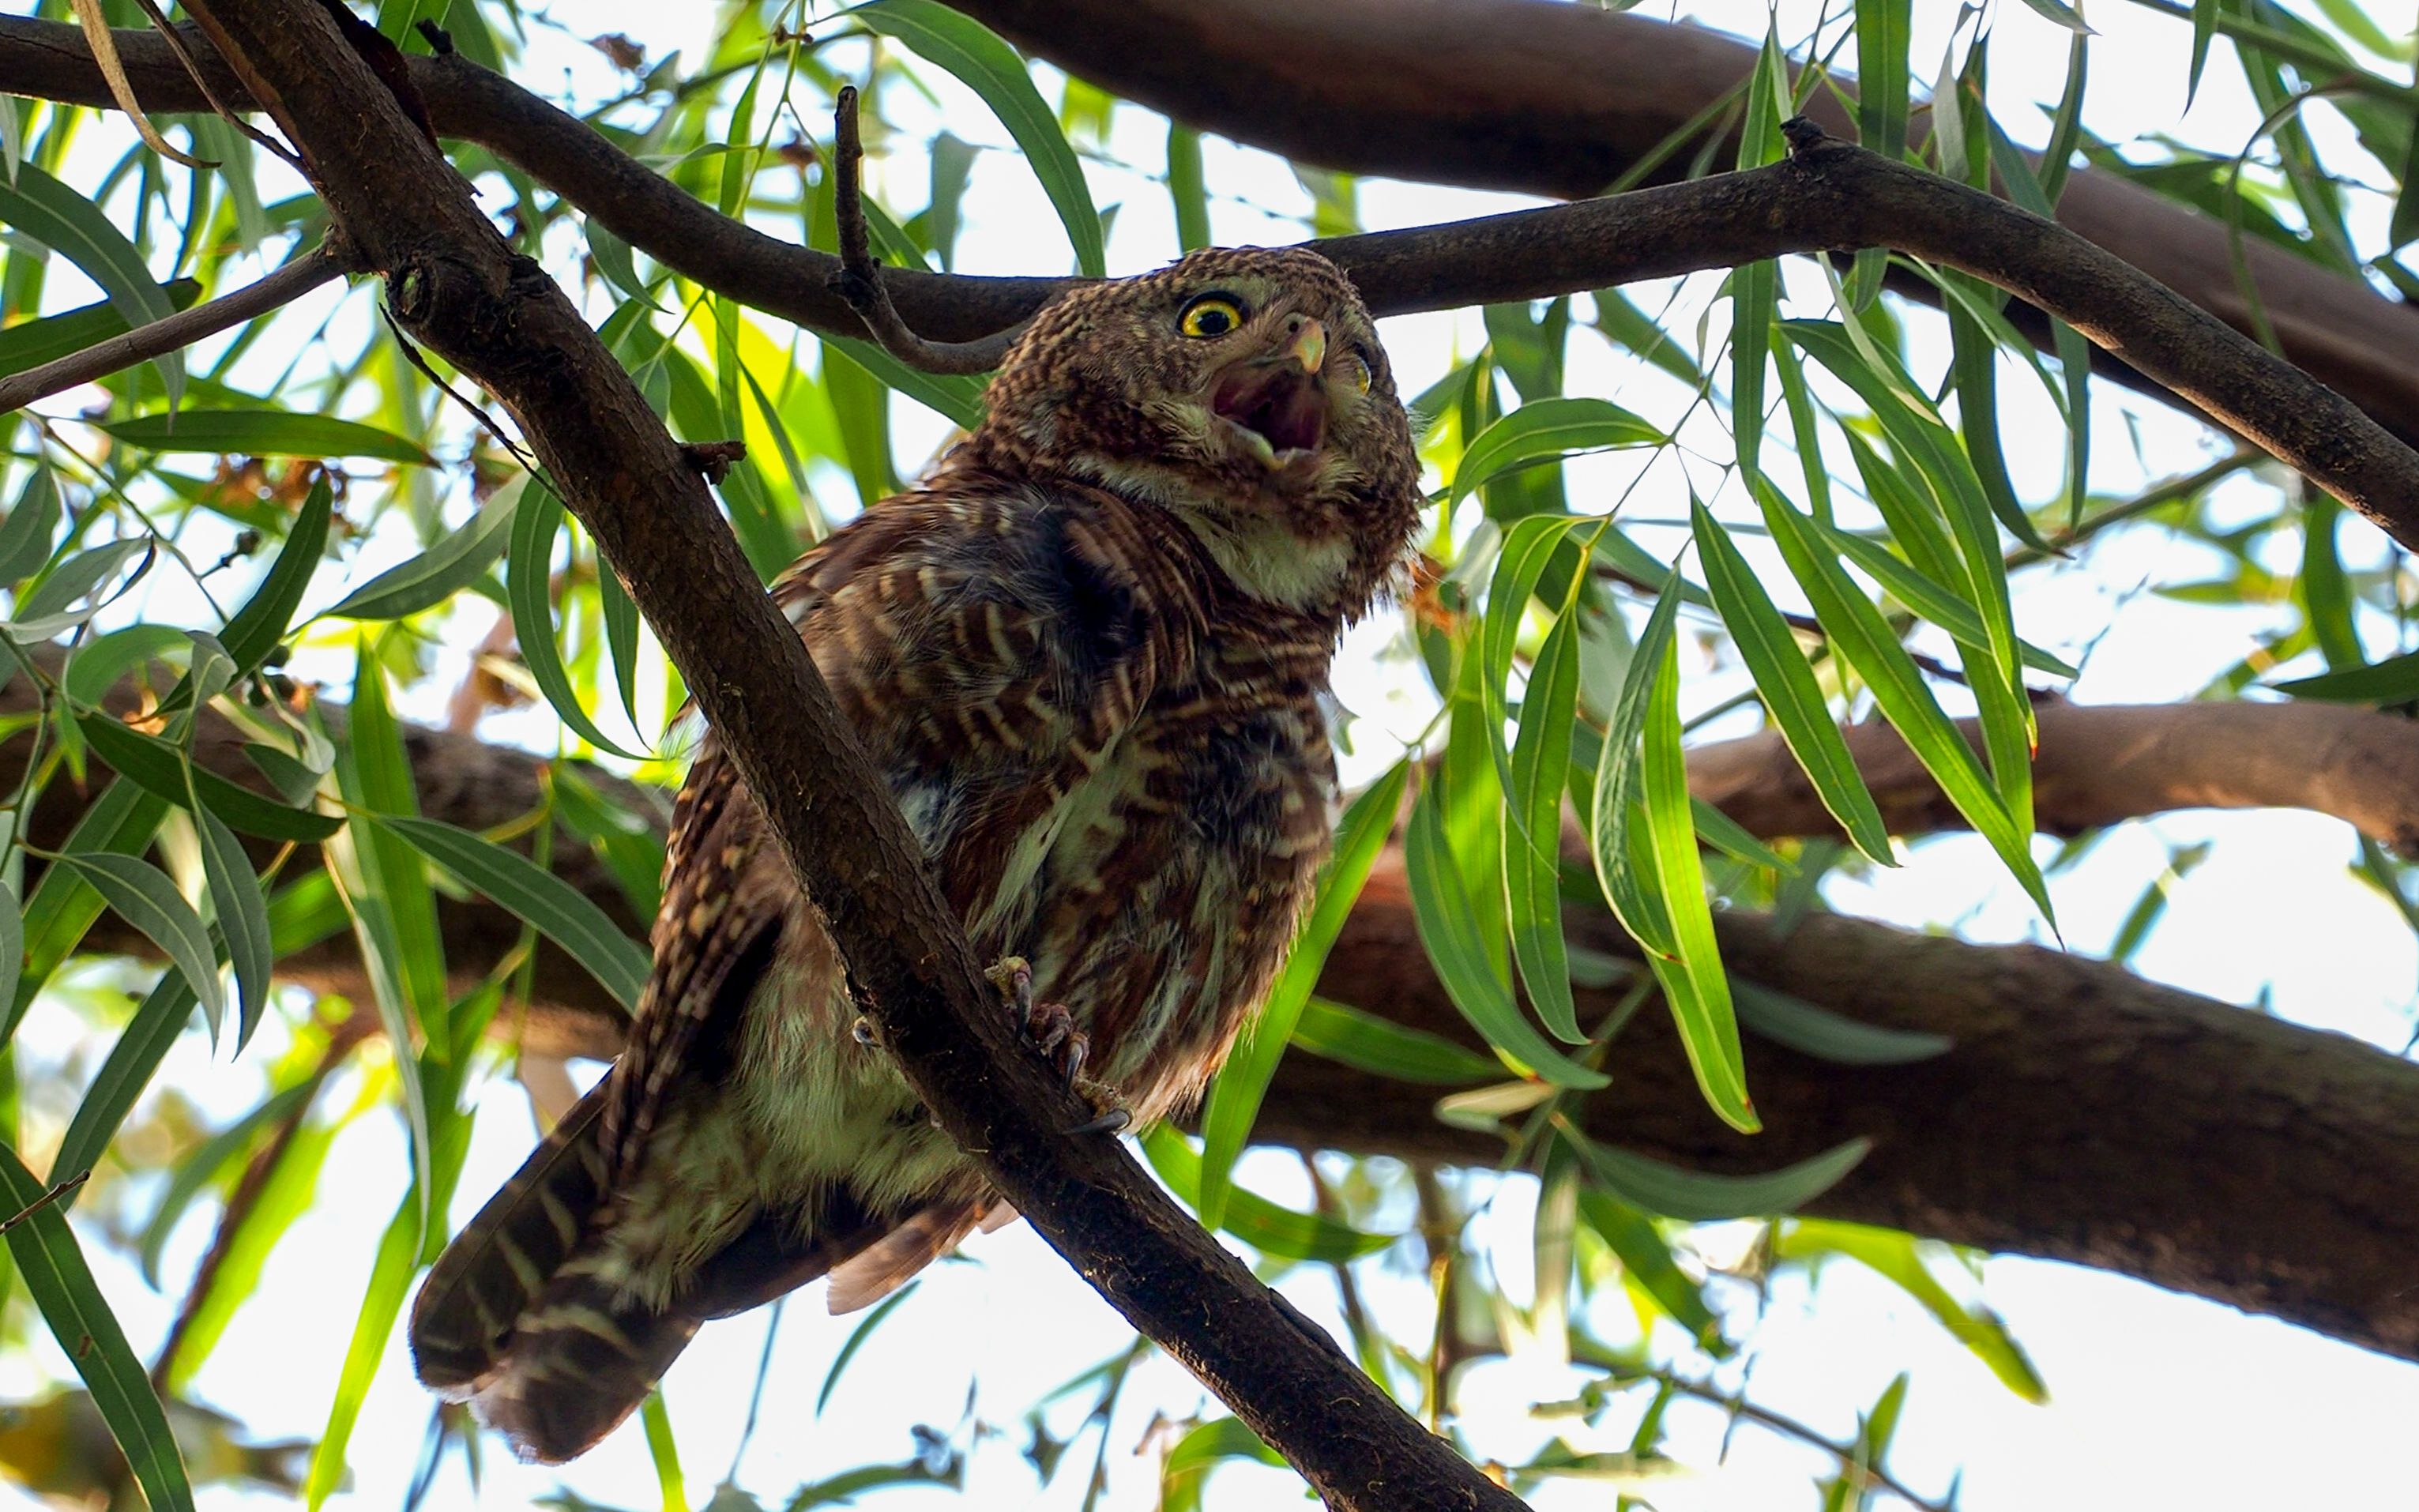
(1051, 1027)
(1113, 1120)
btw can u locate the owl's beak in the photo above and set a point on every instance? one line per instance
(1277, 403)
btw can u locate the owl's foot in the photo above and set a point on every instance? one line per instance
(1051, 1027)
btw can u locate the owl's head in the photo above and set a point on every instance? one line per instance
(1243, 390)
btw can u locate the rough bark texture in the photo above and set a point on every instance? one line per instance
(1548, 98)
(2081, 1114)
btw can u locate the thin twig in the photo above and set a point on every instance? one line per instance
(859, 279)
(177, 44)
(1789, 1428)
(177, 332)
(44, 1200)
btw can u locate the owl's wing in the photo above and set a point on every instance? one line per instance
(988, 648)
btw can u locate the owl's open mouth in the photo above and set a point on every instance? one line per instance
(1277, 408)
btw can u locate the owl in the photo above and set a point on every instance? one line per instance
(1088, 654)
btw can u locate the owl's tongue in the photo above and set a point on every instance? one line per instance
(1278, 403)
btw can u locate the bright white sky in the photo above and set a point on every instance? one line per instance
(2158, 1401)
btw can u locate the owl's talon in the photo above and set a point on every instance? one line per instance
(1051, 1027)
(1110, 1122)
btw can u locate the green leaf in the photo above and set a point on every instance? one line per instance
(1188, 187)
(1618, 782)
(1786, 685)
(1700, 1196)
(63, 906)
(1694, 984)
(1235, 1097)
(2061, 13)
(1188, 1464)
(1928, 598)
(161, 768)
(74, 227)
(1383, 1047)
(1643, 1252)
(140, 1046)
(62, 1286)
(32, 343)
(443, 570)
(1541, 764)
(264, 433)
(1883, 37)
(1756, 287)
(390, 1273)
(1446, 920)
(1861, 636)
(1828, 1036)
(96, 666)
(620, 616)
(44, 611)
(269, 614)
(529, 574)
(2204, 22)
(855, 1341)
(1266, 1225)
(537, 898)
(25, 538)
(12, 944)
(201, 1167)
(664, 1450)
(1900, 1257)
(956, 397)
(243, 919)
(2395, 680)
(992, 69)
(1543, 430)
(145, 897)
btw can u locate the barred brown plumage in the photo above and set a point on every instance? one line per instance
(1088, 653)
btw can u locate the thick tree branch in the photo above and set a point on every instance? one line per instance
(173, 333)
(2100, 764)
(1548, 98)
(2081, 1114)
(1827, 196)
(454, 285)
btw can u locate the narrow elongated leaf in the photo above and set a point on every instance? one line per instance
(1543, 431)
(529, 574)
(97, 665)
(1928, 598)
(204, 1166)
(161, 768)
(1264, 1225)
(1756, 287)
(1861, 635)
(140, 1046)
(1529, 544)
(62, 1286)
(1618, 782)
(1383, 1047)
(12, 943)
(1541, 763)
(262, 622)
(25, 536)
(243, 919)
(381, 1303)
(1701, 1197)
(992, 68)
(1694, 984)
(441, 571)
(1786, 684)
(145, 897)
(2395, 680)
(1643, 1252)
(955, 397)
(1187, 187)
(1828, 1036)
(855, 1341)
(1448, 928)
(265, 433)
(537, 897)
(1900, 1256)
(1235, 1097)
(74, 227)
(44, 611)
(620, 616)
(63, 905)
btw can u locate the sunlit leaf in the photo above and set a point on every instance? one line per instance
(162, 768)
(1644, 1254)
(1828, 1036)
(1900, 1256)
(1543, 430)
(1702, 1196)
(1379, 1045)
(159, 1019)
(1266, 1225)
(529, 576)
(56, 1276)
(265, 433)
(992, 69)
(72, 225)
(143, 896)
(256, 628)
(443, 570)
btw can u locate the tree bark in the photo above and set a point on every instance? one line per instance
(1543, 97)
(2081, 1114)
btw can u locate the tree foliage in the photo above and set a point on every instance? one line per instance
(1780, 498)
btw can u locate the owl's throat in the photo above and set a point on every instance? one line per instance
(1277, 409)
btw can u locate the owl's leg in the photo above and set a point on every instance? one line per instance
(1052, 1029)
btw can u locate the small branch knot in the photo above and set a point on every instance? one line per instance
(712, 458)
(1804, 136)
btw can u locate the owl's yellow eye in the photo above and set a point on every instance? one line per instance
(1211, 315)
(1360, 373)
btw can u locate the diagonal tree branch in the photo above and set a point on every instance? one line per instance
(454, 285)
(1828, 195)
(173, 333)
